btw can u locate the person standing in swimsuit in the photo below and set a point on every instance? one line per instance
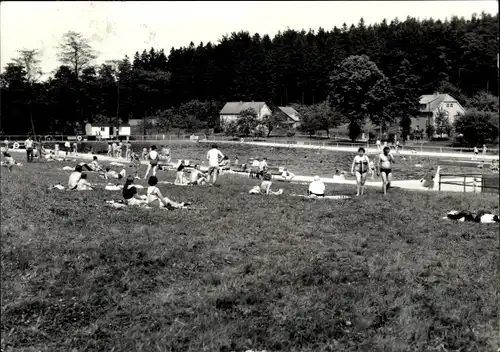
(384, 166)
(154, 158)
(214, 157)
(360, 166)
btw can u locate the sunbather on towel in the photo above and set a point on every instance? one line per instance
(113, 174)
(83, 184)
(265, 186)
(130, 193)
(317, 187)
(287, 175)
(197, 177)
(156, 199)
(8, 161)
(75, 177)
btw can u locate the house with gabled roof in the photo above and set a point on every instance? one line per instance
(430, 105)
(232, 110)
(291, 115)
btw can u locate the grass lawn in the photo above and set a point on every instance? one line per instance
(250, 272)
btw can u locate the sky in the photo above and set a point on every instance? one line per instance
(116, 29)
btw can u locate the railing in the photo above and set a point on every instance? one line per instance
(466, 184)
(286, 141)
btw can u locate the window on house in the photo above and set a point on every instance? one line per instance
(103, 129)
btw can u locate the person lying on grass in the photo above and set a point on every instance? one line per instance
(83, 184)
(316, 188)
(93, 166)
(113, 174)
(265, 186)
(156, 199)
(75, 177)
(197, 177)
(130, 193)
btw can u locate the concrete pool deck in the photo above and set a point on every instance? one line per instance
(407, 151)
(414, 185)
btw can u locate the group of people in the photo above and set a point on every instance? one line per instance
(362, 164)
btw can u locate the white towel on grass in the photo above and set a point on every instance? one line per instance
(325, 197)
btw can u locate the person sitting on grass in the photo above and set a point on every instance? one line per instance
(75, 177)
(83, 184)
(265, 186)
(316, 188)
(429, 178)
(8, 161)
(494, 165)
(179, 178)
(225, 164)
(113, 174)
(156, 199)
(130, 193)
(338, 176)
(287, 175)
(197, 177)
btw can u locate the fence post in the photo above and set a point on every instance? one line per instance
(439, 182)
(465, 180)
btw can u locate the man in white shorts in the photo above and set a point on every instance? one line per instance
(214, 157)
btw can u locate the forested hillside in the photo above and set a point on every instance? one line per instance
(457, 56)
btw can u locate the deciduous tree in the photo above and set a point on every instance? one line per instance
(359, 90)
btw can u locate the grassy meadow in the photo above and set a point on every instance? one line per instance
(278, 273)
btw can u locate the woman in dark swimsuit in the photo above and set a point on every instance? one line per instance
(360, 167)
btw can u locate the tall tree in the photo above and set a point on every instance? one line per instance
(76, 52)
(29, 59)
(405, 103)
(359, 90)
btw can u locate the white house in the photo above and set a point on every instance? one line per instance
(293, 117)
(430, 105)
(232, 110)
(106, 131)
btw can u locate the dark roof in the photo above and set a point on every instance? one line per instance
(290, 112)
(235, 108)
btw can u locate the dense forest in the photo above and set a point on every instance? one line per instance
(457, 56)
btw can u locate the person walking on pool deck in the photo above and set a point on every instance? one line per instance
(153, 158)
(28, 144)
(214, 157)
(384, 166)
(360, 167)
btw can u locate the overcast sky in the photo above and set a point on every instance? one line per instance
(119, 28)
